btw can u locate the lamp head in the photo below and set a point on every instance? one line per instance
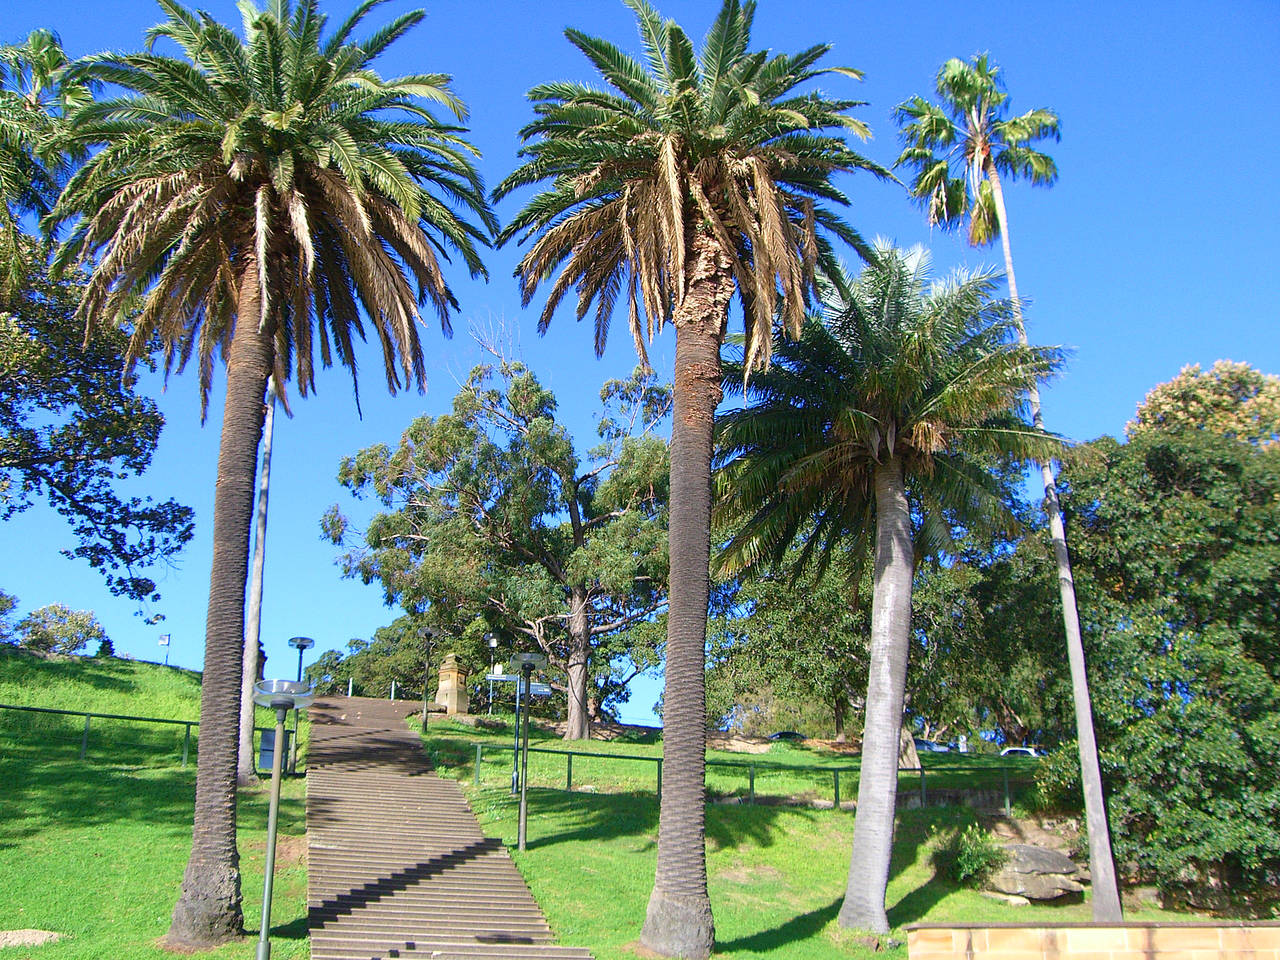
(283, 694)
(301, 643)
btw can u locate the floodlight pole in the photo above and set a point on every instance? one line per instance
(493, 646)
(427, 635)
(277, 763)
(526, 674)
(302, 643)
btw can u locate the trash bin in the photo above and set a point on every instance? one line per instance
(267, 749)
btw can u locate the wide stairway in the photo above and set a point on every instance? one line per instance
(397, 865)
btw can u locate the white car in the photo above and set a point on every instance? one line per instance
(1022, 752)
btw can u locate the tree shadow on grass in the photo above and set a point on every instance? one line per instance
(804, 927)
(575, 816)
(40, 790)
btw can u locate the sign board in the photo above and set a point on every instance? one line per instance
(540, 689)
(502, 677)
(267, 748)
(164, 639)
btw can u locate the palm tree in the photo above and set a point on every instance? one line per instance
(37, 88)
(698, 175)
(960, 149)
(889, 409)
(253, 198)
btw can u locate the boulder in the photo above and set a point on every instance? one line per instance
(1036, 873)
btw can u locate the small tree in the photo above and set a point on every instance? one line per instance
(491, 513)
(57, 628)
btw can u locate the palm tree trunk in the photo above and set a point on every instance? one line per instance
(246, 773)
(863, 906)
(678, 921)
(1102, 867)
(579, 725)
(208, 911)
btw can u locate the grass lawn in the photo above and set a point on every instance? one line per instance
(96, 852)
(776, 874)
(106, 685)
(787, 770)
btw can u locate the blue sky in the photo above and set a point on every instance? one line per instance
(1157, 247)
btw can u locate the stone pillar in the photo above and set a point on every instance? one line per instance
(452, 691)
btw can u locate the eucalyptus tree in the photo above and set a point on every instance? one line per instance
(874, 433)
(256, 199)
(37, 88)
(699, 175)
(960, 149)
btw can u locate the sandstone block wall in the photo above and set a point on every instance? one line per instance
(1130, 941)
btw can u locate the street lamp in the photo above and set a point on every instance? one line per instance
(427, 635)
(524, 663)
(493, 649)
(281, 696)
(302, 643)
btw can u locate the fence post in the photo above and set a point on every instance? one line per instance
(835, 782)
(84, 741)
(751, 783)
(659, 759)
(479, 757)
(1007, 810)
(924, 799)
(186, 744)
(568, 771)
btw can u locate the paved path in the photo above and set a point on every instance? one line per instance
(397, 865)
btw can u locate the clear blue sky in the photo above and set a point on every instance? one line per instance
(1157, 247)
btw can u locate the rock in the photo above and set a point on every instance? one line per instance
(1036, 873)
(1012, 899)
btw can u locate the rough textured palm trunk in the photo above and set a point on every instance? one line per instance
(678, 922)
(579, 725)
(246, 772)
(863, 906)
(1102, 867)
(209, 911)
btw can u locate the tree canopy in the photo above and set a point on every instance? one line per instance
(491, 512)
(71, 428)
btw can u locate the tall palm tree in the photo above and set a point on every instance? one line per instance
(699, 175)
(960, 149)
(261, 194)
(891, 408)
(37, 88)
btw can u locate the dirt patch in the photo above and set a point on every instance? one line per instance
(739, 744)
(27, 938)
(750, 874)
(291, 850)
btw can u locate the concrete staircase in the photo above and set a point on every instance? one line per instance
(397, 865)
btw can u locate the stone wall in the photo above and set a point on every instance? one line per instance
(1223, 940)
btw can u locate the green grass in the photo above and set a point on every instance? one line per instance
(788, 770)
(776, 874)
(105, 685)
(96, 852)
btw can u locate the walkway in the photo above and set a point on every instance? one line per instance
(397, 865)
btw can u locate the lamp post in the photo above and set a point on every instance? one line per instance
(427, 635)
(524, 662)
(302, 643)
(493, 649)
(281, 696)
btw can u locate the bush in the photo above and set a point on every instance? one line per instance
(970, 856)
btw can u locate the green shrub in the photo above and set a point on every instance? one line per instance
(970, 855)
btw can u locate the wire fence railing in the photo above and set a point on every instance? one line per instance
(118, 736)
(748, 781)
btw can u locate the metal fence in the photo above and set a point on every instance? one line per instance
(111, 735)
(991, 783)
